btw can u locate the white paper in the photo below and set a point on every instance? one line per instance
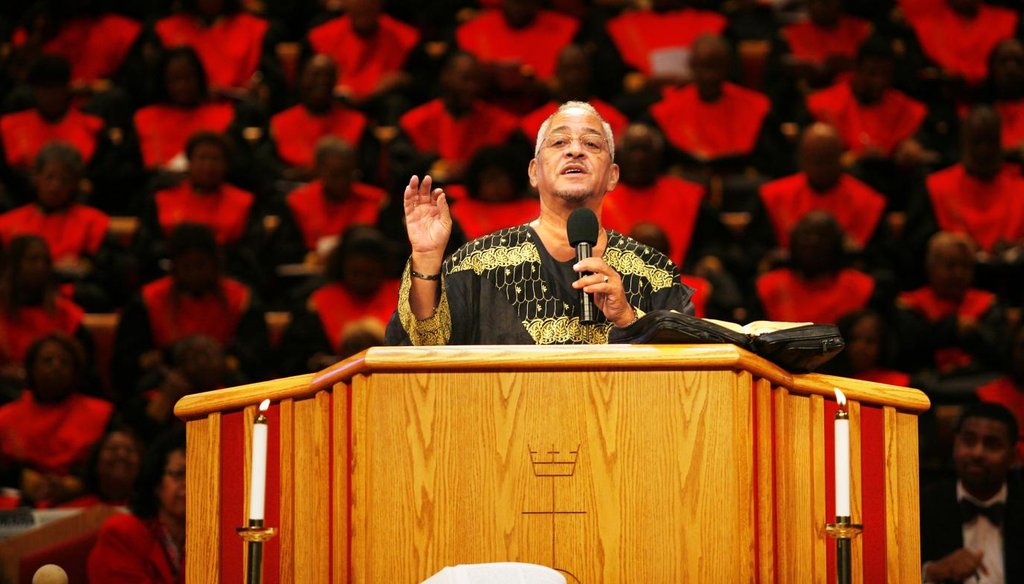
(496, 573)
(671, 61)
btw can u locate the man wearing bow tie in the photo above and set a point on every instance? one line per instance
(972, 530)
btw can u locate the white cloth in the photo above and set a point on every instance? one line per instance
(496, 573)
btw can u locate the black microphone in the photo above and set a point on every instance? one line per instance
(582, 231)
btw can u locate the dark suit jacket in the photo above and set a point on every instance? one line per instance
(941, 531)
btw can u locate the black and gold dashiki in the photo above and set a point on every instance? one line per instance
(505, 289)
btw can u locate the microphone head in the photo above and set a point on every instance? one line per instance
(582, 227)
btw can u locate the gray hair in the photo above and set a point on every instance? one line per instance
(609, 138)
(331, 145)
(61, 152)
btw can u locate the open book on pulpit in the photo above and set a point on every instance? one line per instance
(496, 573)
(795, 346)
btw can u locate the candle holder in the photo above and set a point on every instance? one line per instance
(254, 535)
(843, 531)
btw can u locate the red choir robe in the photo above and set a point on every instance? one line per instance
(534, 120)
(987, 212)
(363, 62)
(318, 217)
(927, 303)
(337, 307)
(1009, 393)
(671, 203)
(701, 292)
(432, 129)
(536, 46)
(1011, 113)
(787, 296)
(130, 550)
(25, 133)
(960, 45)
(882, 375)
(811, 43)
(728, 126)
(19, 330)
(94, 45)
(164, 130)
(230, 49)
(225, 212)
(478, 218)
(296, 131)
(640, 35)
(52, 437)
(174, 316)
(856, 206)
(881, 126)
(72, 232)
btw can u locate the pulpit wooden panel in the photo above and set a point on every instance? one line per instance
(612, 464)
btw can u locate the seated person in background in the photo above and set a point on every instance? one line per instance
(1009, 389)
(193, 299)
(1004, 89)
(645, 193)
(76, 234)
(298, 129)
(47, 434)
(447, 131)
(195, 364)
(652, 236)
(874, 120)
(572, 82)
(821, 185)
(979, 197)
(237, 48)
(518, 45)
(31, 304)
(206, 198)
(716, 124)
(816, 287)
(148, 544)
(817, 51)
(316, 213)
(947, 326)
(360, 335)
(972, 528)
(370, 48)
(521, 285)
(958, 35)
(111, 469)
(496, 192)
(357, 287)
(658, 42)
(52, 119)
(99, 45)
(182, 107)
(867, 350)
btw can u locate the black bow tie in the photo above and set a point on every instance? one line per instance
(969, 510)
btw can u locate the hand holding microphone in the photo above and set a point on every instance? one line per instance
(600, 286)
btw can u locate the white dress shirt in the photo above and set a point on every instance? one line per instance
(981, 535)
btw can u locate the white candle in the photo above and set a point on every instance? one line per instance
(258, 484)
(842, 457)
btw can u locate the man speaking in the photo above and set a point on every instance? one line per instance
(530, 284)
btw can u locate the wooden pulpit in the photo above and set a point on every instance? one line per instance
(613, 464)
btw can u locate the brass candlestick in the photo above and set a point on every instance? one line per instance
(255, 534)
(843, 531)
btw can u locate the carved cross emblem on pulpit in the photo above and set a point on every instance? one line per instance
(552, 465)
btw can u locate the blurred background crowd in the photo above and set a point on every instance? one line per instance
(201, 193)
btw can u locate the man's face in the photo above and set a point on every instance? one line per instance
(982, 454)
(461, 82)
(182, 82)
(54, 373)
(318, 81)
(950, 271)
(871, 78)
(194, 272)
(982, 144)
(574, 162)
(640, 155)
(207, 166)
(1008, 68)
(55, 184)
(710, 65)
(338, 172)
(863, 348)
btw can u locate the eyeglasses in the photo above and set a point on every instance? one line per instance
(593, 143)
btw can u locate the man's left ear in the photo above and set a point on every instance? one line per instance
(614, 179)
